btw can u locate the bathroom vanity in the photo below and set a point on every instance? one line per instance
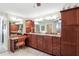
(49, 43)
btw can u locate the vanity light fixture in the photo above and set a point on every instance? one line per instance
(36, 5)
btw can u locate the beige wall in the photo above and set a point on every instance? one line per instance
(6, 31)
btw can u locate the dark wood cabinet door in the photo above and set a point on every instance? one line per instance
(56, 46)
(68, 40)
(44, 45)
(14, 27)
(29, 26)
(68, 49)
(78, 16)
(69, 34)
(29, 39)
(48, 44)
(77, 40)
(34, 41)
(40, 42)
(69, 17)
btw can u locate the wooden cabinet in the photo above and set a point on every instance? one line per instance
(44, 45)
(13, 28)
(70, 32)
(29, 26)
(40, 42)
(56, 46)
(29, 39)
(69, 40)
(77, 40)
(15, 40)
(68, 49)
(32, 41)
(47, 44)
(70, 16)
(13, 45)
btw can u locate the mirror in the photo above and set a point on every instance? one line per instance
(49, 24)
(16, 25)
(42, 28)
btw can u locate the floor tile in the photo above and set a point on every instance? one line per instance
(24, 52)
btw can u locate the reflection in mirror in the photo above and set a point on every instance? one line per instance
(42, 28)
(16, 25)
(37, 28)
(50, 24)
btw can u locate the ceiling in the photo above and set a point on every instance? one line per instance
(27, 10)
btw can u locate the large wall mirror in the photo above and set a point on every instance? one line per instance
(50, 24)
(16, 25)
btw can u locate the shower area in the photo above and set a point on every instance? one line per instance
(3, 34)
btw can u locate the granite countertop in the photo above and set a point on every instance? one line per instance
(56, 35)
(13, 38)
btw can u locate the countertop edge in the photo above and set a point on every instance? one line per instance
(56, 35)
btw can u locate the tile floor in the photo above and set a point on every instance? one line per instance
(24, 52)
(1, 49)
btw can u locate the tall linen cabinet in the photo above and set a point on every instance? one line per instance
(70, 32)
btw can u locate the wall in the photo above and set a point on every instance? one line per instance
(24, 27)
(0, 30)
(6, 31)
